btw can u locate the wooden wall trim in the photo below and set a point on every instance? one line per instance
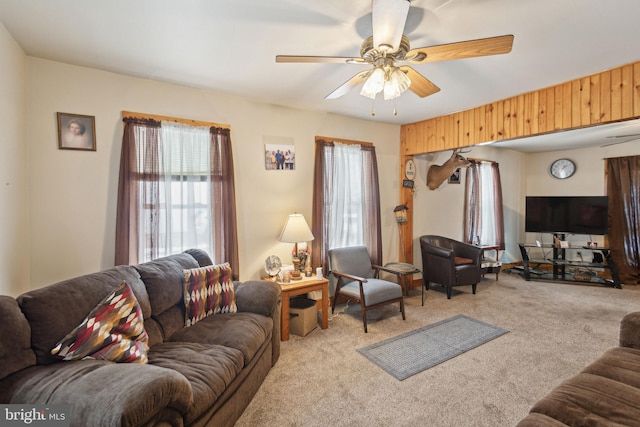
(343, 141)
(129, 114)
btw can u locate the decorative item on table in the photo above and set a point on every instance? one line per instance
(296, 230)
(285, 273)
(307, 267)
(272, 266)
(304, 257)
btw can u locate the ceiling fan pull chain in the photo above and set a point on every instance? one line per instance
(395, 112)
(373, 108)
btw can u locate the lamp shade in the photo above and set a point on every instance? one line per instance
(296, 230)
(398, 82)
(374, 84)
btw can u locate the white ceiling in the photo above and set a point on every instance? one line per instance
(230, 46)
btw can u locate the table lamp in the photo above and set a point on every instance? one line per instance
(296, 230)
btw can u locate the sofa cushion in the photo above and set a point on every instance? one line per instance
(535, 419)
(208, 290)
(462, 260)
(580, 401)
(163, 279)
(15, 345)
(620, 364)
(75, 298)
(103, 393)
(208, 368)
(113, 330)
(243, 331)
(201, 256)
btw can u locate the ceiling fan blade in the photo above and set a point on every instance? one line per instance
(321, 59)
(388, 18)
(420, 85)
(467, 49)
(349, 85)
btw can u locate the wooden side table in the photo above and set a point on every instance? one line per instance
(299, 287)
(405, 271)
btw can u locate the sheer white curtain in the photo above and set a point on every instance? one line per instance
(488, 235)
(484, 222)
(184, 215)
(347, 214)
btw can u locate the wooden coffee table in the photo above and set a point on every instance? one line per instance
(299, 287)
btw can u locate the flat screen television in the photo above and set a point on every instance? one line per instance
(573, 215)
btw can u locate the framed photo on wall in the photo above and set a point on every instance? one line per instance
(279, 153)
(455, 177)
(76, 132)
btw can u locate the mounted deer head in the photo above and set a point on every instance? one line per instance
(437, 174)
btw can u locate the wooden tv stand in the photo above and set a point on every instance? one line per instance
(562, 269)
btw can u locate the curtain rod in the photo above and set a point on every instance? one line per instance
(343, 141)
(481, 160)
(619, 157)
(132, 115)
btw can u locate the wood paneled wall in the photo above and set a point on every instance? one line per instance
(606, 97)
(609, 96)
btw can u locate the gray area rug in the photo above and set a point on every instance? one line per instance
(420, 349)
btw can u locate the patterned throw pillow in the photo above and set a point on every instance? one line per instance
(208, 290)
(113, 330)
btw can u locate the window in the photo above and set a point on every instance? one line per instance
(181, 218)
(176, 192)
(346, 200)
(483, 207)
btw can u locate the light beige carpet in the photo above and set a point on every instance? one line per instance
(555, 330)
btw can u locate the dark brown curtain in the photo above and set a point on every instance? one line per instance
(322, 195)
(320, 216)
(373, 233)
(473, 205)
(223, 195)
(133, 170)
(623, 189)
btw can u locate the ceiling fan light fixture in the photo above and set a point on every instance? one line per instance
(389, 18)
(397, 83)
(374, 84)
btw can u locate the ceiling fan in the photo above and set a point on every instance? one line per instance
(388, 46)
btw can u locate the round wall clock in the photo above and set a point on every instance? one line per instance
(410, 169)
(562, 168)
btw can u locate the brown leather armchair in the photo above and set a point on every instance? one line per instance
(450, 263)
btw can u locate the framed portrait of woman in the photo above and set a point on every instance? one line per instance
(76, 132)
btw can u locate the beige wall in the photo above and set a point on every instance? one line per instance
(522, 175)
(589, 179)
(73, 194)
(440, 211)
(14, 212)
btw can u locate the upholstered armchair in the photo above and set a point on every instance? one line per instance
(450, 263)
(358, 281)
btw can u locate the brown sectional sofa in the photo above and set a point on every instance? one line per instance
(204, 374)
(605, 393)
